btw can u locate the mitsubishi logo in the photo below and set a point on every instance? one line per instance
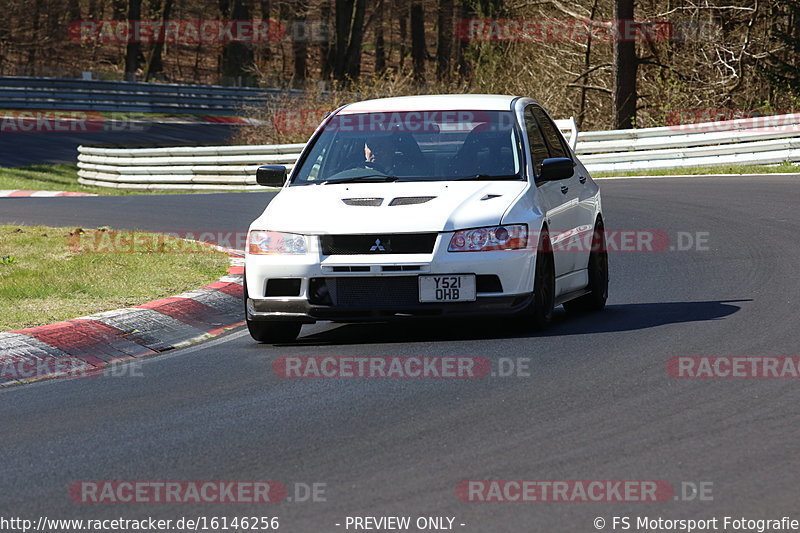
(377, 247)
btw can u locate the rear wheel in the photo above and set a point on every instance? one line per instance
(270, 331)
(598, 277)
(544, 285)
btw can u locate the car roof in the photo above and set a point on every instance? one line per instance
(433, 102)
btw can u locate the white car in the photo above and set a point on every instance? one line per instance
(426, 206)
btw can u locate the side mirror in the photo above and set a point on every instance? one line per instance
(556, 168)
(271, 175)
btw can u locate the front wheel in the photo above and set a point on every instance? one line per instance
(595, 300)
(270, 332)
(544, 285)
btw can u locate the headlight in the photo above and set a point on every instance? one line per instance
(511, 237)
(275, 242)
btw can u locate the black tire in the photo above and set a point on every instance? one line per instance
(598, 277)
(544, 285)
(270, 331)
(273, 332)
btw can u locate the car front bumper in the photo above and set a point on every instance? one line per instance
(383, 286)
(303, 311)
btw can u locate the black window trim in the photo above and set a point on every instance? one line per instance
(530, 106)
(561, 139)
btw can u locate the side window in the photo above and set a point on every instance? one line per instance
(551, 134)
(539, 150)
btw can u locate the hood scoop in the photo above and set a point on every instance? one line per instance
(363, 201)
(491, 196)
(411, 200)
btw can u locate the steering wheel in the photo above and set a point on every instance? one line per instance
(373, 166)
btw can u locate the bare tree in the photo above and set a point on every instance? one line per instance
(418, 49)
(625, 67)
(300, 35)
(133, 50)
(155, 64)
(380, 44)
(444, 43)
(237, 56)
(349, 38)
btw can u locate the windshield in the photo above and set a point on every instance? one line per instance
(414, 146)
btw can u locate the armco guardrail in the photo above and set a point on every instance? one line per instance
(18, 92)
(214, 167)
(766, 140)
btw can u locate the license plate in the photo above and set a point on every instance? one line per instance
(447, 288)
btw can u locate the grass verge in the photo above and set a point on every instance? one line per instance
(65, 178)
(783, 168)
(53, 274)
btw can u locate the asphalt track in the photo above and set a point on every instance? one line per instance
(21, 148)
(597, 405)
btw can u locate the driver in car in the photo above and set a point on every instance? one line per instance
(380, 153)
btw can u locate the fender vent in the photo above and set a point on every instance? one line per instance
(363, 201)
(411, 200)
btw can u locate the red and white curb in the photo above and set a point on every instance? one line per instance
(96, 341)
(9, 193)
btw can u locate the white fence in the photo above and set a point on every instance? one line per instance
(763, 140)
(136, 97)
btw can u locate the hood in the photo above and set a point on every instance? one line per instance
(359, 208)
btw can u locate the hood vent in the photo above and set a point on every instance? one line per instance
(363, 201)
(411, 200)
(490, 196)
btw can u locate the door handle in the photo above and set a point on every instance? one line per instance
(582, 179)
(564, 189)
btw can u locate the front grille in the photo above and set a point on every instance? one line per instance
(394, 292)
(397, 243)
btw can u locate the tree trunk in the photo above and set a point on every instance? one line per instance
(418, 50)
(466, 12)
(402, 22)
(344, 18)
(300, 35)
(444, 45)
(356, 40)
(155, 64)
(349, 38)
(74, 10)
(325, 48)
(625, 68)
(380, 44)
(237, 57)
(587, 63)
(134, 49)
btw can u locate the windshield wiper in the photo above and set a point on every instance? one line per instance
(372, 177)
(478, 177)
